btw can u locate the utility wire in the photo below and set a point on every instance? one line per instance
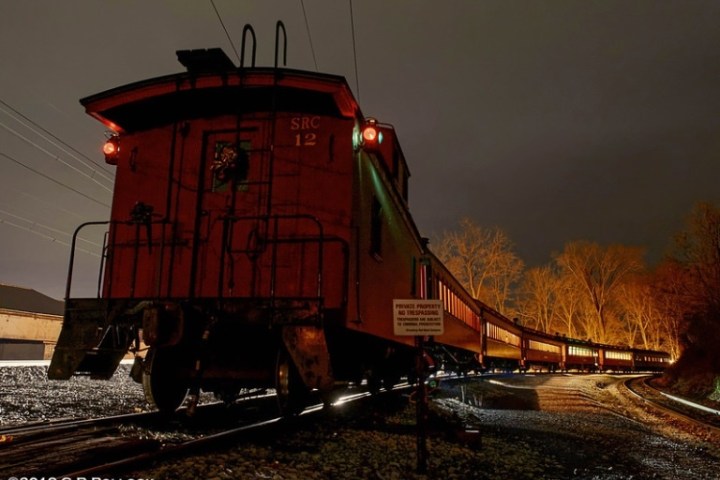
(49, 205)
(352, 25)
(51, 229)
(52, 179)
(47, 237)
(56, 157)
(38, 126)
(212, 2)
(307, 27)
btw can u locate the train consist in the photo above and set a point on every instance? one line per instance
(259, 233)
(509, 346)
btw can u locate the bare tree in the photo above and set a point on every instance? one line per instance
(698, 249)
(673, 300)
(539, 291)
(639, 312)
(598, 273)
(504, 269)
(698, 253)
(568, 306)
(483, 260)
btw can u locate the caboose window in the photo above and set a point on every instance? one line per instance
(376, 228)
(230, 165)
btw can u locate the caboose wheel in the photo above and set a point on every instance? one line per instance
(292, 394)
(161, 383)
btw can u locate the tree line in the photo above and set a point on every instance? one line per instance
(605, 293)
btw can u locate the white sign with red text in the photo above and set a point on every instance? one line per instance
(417, 317)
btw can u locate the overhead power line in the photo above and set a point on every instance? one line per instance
(227, 34)
(34, 126)
(52, 179)
(48, 205)
(352, 26)
(307, 27)
(56, 157)
(46, 237)
(34, 224)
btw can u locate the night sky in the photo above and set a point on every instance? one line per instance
(554, 120)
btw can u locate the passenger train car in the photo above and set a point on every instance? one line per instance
(259, 232)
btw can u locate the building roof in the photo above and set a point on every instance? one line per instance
(28, 300)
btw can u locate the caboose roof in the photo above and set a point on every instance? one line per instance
(197, 94)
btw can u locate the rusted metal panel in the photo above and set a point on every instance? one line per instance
(308, 348)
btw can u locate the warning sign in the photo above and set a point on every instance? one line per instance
(418, 317)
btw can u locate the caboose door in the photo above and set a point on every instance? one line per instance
(233, 207)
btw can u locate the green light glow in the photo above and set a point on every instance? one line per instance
(716, 394)
(356, 137)
(389, 210)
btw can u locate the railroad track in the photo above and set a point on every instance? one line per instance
(91, 447)
(693, 414)
(73, 447)
(135, 459)
(61, 445)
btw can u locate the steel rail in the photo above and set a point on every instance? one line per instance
(213, 439)
(54, 425)
(670, 406)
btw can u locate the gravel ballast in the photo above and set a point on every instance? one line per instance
(553, 427)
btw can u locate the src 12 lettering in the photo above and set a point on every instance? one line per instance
(305, 137)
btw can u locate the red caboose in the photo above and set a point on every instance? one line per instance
(257, 237)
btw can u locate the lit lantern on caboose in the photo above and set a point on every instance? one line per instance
(111, 149)
(370, 135)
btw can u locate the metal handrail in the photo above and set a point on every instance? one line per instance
(278, 26)
(107, 246)
(247, 28)
(275, 241)
(68, 283)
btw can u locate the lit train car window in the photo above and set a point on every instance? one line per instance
(579, 351)
(456, 306)
(543, 347)
(648, 358)
(497, 333)
(618, 355)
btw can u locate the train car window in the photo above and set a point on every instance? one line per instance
(376, 228)
(230, 166)
(543, 347)
(612, 354)
(580, 351)
(498, 333)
